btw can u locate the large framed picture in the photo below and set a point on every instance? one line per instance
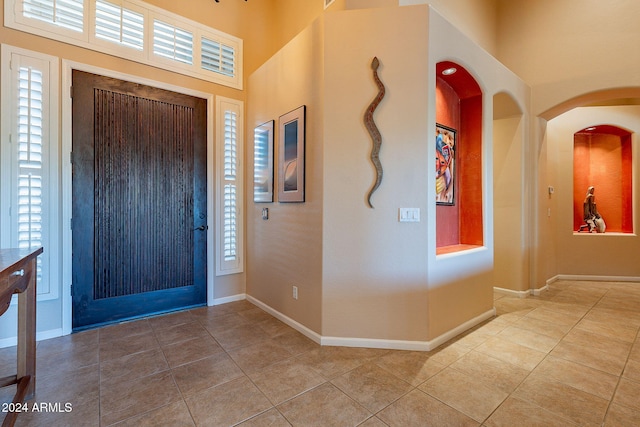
(445, 165)
(291, 156)
(263, 162)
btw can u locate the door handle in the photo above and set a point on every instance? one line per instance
(201, 228)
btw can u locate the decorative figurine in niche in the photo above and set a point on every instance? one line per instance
(592, 218)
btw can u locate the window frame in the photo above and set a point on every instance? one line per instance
(236, 265)
(11, 58)
(87, 39)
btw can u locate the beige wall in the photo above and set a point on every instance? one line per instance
(286, 250)
(608, 254)
(475, 19)
(572, 53)
(374, 267)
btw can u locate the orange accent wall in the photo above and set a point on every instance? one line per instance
(604, 161)
(448, 114)
(460, 108)
(470, 161)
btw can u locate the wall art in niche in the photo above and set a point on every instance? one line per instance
(445, 165)
(291, 139)
(263, 162)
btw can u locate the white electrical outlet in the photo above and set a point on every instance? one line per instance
(295, 292)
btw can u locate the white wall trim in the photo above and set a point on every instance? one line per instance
(373, 342)
(512, 293)
(225, 300)
(593, 278)
(537, 292)
(314, 336)
(44, 335)
(67, 67)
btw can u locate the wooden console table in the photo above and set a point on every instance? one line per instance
(18, 276)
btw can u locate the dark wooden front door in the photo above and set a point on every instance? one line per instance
(138, 200)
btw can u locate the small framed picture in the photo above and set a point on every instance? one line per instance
(263, 163)
(291, 129)
(445, 165)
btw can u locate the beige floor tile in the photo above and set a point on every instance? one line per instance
(271, 418)
(521, 413)
(120, 399)
(491, 371)
(204, 314)
(227, 404)
(543, 327)
(295, 343)
(563, 318)
(273, 327)
(134, 365)
(77, 388)
(255, 315)
(170, 320)
(202, 374)
(220, 324)
(529, 339)
(371, 386)
(173, 415)
(621, 416)
(613, 317)
(632, 370)
(114, 347)
(81, 341)
(628, 394)
(578, 376)
(459, 391)
(620, 301)
(373, 422)
(448, 353)
(414, 367)
(239, 336)
(124, 329)
(323, 406)
(190, 351)
(331, 362)
(60, 363)
(589, 356)
(417, 409)
(182, 332)
(635, 350)
(626, 333)
(598, 342)
(286, 380)
(511, 352)
(580, 407)
(255, 357)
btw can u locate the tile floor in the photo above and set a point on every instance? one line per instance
(568, 357)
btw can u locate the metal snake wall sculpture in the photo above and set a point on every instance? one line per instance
(373, 129)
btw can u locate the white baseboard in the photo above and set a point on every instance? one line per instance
(593, 278)
(44, 335)
(522, 294)
(373, 342)
(512, 293)
(224, 300)
(312, 335)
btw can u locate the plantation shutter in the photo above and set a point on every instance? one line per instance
(119, 25)
(64, 13)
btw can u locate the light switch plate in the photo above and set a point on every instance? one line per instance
(409, 215)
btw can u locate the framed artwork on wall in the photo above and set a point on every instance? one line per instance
(445, 165)
(291, 130)
(263, 163)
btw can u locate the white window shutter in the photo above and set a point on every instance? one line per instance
(229, 216)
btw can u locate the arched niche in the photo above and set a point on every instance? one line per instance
(602, 158)
(459, 223)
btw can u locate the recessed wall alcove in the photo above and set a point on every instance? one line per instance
(602, 159)
(459, 107)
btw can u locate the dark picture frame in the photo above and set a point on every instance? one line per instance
(263, 163)
(446, 146)
(291, 145)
